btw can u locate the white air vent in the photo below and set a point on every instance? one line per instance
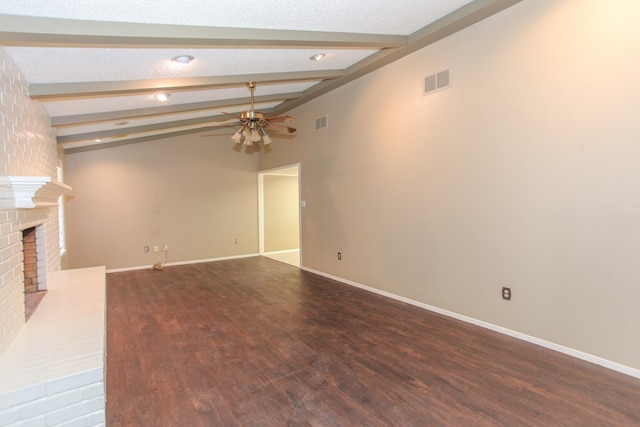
(322, 122)
(430, 83)
(436, 81)
(442, 79)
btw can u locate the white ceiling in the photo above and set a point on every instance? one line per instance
(97, 63)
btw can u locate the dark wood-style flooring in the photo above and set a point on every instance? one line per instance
(255, 342)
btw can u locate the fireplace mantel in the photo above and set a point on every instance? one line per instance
(31, 192)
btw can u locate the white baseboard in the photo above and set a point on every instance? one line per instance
(197, 261)
(286, 251)
(515, 334)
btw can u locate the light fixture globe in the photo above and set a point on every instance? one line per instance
(254, 125)
(237, 137)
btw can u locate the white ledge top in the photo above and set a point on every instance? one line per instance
(64, 336)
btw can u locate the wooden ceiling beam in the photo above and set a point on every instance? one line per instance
(74, 90)
(106, 116)
(58, 32)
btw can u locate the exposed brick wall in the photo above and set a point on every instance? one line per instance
(28, 149)
(30, 260)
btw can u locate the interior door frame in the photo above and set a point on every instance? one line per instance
(261, 174)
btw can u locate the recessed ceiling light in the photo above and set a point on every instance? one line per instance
(97, 140)
(183, 59)
(161, 96)
(318, 56)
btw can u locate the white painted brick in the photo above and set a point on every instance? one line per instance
(33, 422)
(90, 420)
(6, 253)
(74, 381)
(7, 288)
(50, 404)
(29, 148)
(77, 422)
(9, 416)
(15, 239)
(77, 410)
(76, 395)
(21, 396)
(94, 390)
(5, 267)
(97, 418)
(90, 361)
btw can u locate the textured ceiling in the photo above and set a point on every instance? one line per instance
(354, 16)
(96, 63)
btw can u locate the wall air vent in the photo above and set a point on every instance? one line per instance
(436, 81)
(322, 122)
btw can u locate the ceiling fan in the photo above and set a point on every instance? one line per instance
(254, 125)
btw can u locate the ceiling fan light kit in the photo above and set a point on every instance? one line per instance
(254, 125)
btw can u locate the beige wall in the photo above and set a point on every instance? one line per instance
(281, 213)
(523, 174)
(196, 195)
(28, 149)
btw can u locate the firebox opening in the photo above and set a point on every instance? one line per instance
(32, 294)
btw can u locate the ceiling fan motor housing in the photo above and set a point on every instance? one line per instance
(252, 115)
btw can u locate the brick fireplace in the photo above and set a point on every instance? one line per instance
(30, 257)
(33, 269)
(51, 367)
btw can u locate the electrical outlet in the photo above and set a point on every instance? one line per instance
(506, 294)
(145, 249)
(165, 248)
(339, 256)
(155, 248)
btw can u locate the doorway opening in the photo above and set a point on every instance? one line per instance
(279, 214)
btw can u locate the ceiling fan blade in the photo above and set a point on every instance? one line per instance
(235, 116)
(281, 128)
(278, 119)
(222, 123)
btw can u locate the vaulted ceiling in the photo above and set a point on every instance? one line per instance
(95, 65)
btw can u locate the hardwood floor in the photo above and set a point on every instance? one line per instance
(256, 342)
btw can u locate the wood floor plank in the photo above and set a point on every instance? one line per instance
(255, 342)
